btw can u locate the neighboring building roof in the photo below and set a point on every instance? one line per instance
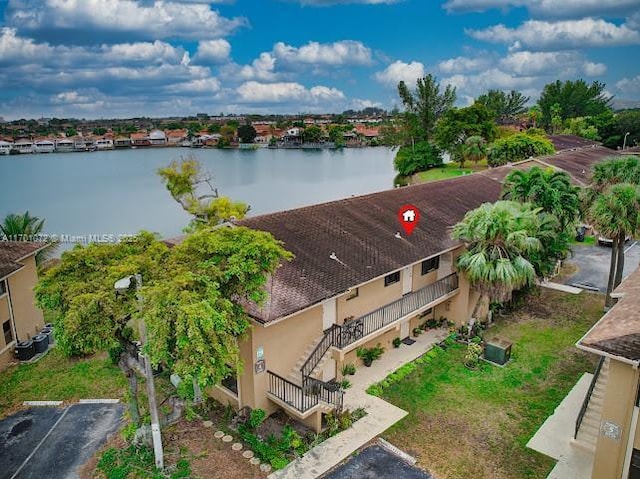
(578, 163)
(566, 142)
(618, 332)
(13, 251)
(361, 232)
(139, 136)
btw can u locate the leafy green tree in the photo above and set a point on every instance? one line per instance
(99, 131)
(213, 128)
(504, 107)
(458, 124)
(535, 115)
(312, 134)
(336, 135)
(228, 132)
(548, 189)
(420, 157)
(70, 132)
(518, 147)
(628, 122)
(196, 313)
(185, 180)
(500, 238)
(425, 106)
(556, 118)
(474, 149)
(615, 214)
(575, 98)
(581, 126)
(247, 133)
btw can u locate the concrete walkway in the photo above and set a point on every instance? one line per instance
(380, 414)
(554, 438)
(560, 287)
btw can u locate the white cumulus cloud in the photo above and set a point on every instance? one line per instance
(566, 34)
(286, 92)
(401, 71)
(345, 52)
(547, 8)
(463, 64)
(213, 51)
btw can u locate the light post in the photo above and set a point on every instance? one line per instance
(624, 143)
(122, 285)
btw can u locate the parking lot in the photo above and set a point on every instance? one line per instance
(593, 265)
(375, 462)
(49, 442)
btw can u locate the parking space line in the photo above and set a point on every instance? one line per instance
(634, 243)
(35, 449)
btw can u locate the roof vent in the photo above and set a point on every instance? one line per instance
(398, 235)
(335, 258)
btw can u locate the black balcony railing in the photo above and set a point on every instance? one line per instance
(307, 397)
(369, 323)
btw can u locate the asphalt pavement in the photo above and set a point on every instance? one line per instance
(375, 462)
(593, 264)
(52, 443)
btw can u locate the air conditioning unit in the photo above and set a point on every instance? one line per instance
(497, 351)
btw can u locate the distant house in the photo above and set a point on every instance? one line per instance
(368, 132)
(122, 142)
(104, 144)
(64, 144)
(19, 317)
(5, 147)
(157, 138)
(175, 137)
(140, 139)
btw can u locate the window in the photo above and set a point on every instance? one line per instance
(352, 294)
(392, 278)
(6, 329)
(231, 383)
(431, 264)
(3, 287)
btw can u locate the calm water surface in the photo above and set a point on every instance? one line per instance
(116, 192)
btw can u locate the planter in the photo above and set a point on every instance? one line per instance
(367, 362)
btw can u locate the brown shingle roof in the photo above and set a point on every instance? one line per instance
(13, 251)
(579, 163)
(361, 232)
(566, 142)
(618, 332)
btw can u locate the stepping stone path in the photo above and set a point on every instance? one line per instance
(247, 454)
(236, 446)
(207, 424)
(254, 461)
(218, 435)
(265, 467)
(227, 438)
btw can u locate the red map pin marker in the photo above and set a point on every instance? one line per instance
(408, 216)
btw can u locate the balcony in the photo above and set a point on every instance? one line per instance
(304, 399)
(412, 303)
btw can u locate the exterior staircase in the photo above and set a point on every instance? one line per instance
(295, 376)
(588, 428)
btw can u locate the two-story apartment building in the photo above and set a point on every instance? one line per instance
(358, 280)
(19, 317)
(608, 426)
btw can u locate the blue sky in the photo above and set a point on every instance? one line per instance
(119, 58)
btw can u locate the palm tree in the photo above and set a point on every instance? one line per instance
(499, 237)
(615, 213)
(474, 149)
(24, 227)
(535, 113)
(548, 189)
(21, 227)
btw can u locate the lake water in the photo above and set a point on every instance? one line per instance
(119, 192)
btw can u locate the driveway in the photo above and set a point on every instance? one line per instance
(376, 462)
(55, 442)
(593, 264)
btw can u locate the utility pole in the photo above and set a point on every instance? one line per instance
(125, 284)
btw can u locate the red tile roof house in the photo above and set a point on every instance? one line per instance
(19, 317)
(356, 280)
(140, 138)
(175, 137)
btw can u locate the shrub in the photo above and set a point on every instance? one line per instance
(518, 147)
(417, 331)
(368, 355)
(256, 417)
(348, 369)
(472, 358)
(419, 157)
(396, 342)
(345, 384)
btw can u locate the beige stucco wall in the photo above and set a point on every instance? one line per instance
(6, 353)
(371, 296)
(284, 344)
(28, 318)
(617, 408)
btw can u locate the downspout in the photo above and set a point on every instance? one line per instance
(13, 319)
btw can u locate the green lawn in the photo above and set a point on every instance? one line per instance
(464, 423)
(450, 170)
(588, 241)
(55, 377)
